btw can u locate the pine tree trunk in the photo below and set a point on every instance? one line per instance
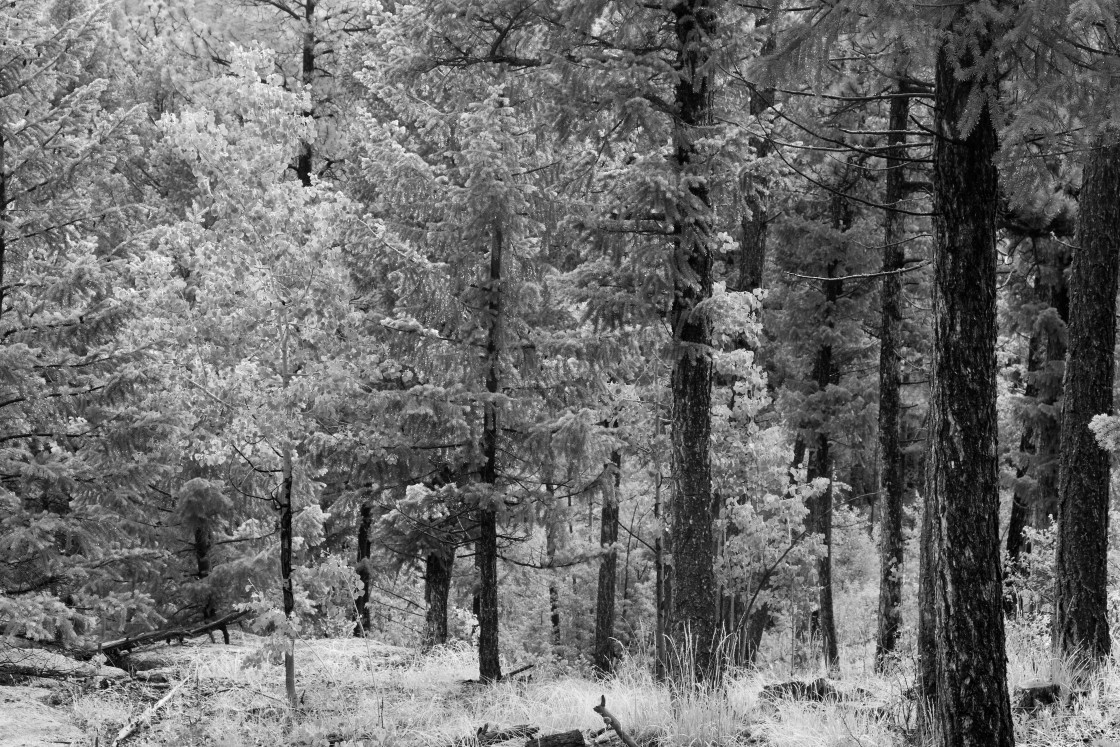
(1080, 622)
(695, 605)
(438, 565)
(203, 542)
(820, 466)
(963, 660)
(552, 542)
(286, 536)
(891, 458)
(3, 222)
(608, 570)
(365, 548)
(486, 549)
(307, 77)
(660, 590)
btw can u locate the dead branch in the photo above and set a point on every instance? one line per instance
(612, 721)
(146, 717)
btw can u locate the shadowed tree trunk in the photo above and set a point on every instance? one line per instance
(695, 604)
(608, 569)
(1080, 622)
(891, 457)
(963, 672)
(438, 565)
(486, 548)
(365, 549)
(820, 466)
(285, 501)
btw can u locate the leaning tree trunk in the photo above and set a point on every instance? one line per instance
(891, 458)
(486, 548)
(608, 569)
(961, 635)
(1080, 623)
(695, 606)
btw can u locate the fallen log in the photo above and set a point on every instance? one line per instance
(146, 717)
(573, 738)
(33, 662)
(113, 649)
(612, 721)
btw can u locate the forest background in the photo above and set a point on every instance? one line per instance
(565, 329)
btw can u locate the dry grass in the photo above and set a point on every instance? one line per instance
(354, 692)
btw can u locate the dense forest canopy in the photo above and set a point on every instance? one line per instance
(566, 329)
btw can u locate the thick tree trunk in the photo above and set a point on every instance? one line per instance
(486, 549)
(1080, 622)
(695, 606)
(438, 565)
(203, 542)
(892, 462)
(608, 570)
(963, 659)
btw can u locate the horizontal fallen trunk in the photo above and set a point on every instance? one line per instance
(573, 738)
(33, 662)
(113, 649)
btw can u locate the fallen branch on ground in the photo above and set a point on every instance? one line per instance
(146, 717)
(612, 721)
(112, 649)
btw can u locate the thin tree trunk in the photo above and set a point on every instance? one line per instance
(486, 549)
(552, 542)
(891, 458)
(3, 222)
(695, 607)
(1080, 621)
(961, 635)
(365, 549)
(307, 77)
(608, 569)
(438, 565)
(285, 499)
(660, 600)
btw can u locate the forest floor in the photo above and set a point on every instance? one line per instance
(357, 693)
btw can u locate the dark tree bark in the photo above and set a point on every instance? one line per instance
(438, 565)
(892, 463)
(365, 549)
(820, 466)
(1080, 623)
(551, 547)
(307, 77)
(608, 570)
(486, 548)
(695, 597)
(661, 594)
(963, 662)
(285, 501)
(203, 543)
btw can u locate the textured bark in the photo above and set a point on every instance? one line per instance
(365, 549)
(695, 598)
(486, 549)
(660, 589)
(438, 565)
(203, 542)
(605, 656)
(963, 662)
(1080, 622)
(891, 458)
(3, 220)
